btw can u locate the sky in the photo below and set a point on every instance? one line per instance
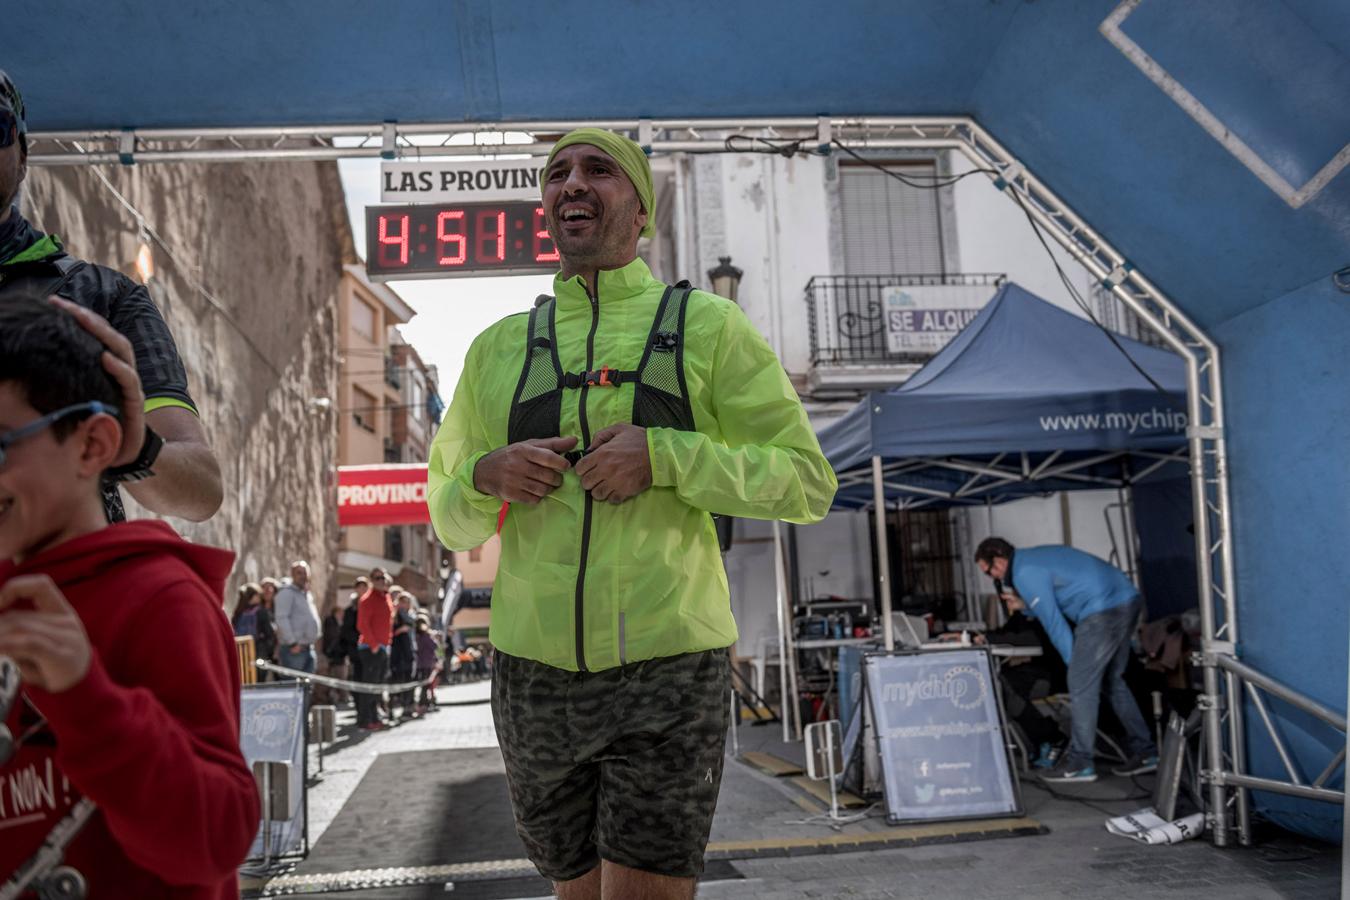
(451, 312)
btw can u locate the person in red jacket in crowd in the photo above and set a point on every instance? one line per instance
(128, 697)
(375, 628)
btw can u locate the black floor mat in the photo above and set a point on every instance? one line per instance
(429, 807)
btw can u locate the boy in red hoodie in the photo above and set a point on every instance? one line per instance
(130, 690)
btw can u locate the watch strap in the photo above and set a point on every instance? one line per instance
(142, 467)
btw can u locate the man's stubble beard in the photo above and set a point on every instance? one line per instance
(607, 245)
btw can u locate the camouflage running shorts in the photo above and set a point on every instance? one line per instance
(622, 764)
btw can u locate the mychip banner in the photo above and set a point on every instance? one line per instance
(941, 736)
(272, 730)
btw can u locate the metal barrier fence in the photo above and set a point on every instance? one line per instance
(356, 687)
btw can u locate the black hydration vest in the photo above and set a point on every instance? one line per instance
(660, 395)
(40, 277)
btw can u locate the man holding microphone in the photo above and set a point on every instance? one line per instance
(1063, 587)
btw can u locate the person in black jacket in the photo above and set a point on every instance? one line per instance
(403, 655)
(351, 635)
(1026, 679)
(165, 460)
(334, 653)
(251, 619)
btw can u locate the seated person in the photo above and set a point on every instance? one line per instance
(129, 692)
(1026, 679)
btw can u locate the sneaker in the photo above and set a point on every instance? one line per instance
(1138, 765)
(1049, 755)
(375, 726)
(1064, 774)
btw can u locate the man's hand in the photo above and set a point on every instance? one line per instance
(47, 642)
(1014, 602)
(187, 476)
(617, 466)
(119, 360)
(524, 472)
(956, 637)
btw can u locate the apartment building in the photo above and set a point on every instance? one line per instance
(388, 409)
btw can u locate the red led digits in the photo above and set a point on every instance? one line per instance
(445, 238)
(400, 240)
(541, 238)
(489, 246)
(449, 240)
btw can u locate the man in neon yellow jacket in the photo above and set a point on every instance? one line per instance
(614, 420)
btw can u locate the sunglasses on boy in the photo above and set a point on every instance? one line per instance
(9, 127)
(10, 438)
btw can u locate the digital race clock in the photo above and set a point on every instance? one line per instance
(437, 240)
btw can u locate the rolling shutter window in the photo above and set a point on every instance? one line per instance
(890, 228)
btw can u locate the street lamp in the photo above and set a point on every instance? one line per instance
(725, 279)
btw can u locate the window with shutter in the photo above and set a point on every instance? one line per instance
(888, 227)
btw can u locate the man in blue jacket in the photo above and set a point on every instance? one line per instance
(1089, 610)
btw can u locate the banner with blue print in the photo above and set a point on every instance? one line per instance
(272, 730)
(940, 734)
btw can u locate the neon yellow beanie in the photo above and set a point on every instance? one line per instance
(630, 158)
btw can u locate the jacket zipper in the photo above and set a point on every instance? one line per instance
(586, 442)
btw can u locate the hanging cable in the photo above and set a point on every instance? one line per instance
(381, 408)
(197, 285)
(941, 181)
(1082, 304)
(765, 145)
(913, 180)
(1092, 802)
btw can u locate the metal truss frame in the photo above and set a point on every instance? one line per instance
(1224, 675)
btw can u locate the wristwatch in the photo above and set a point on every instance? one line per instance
(142, 466)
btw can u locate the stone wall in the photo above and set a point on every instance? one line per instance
(247, 262)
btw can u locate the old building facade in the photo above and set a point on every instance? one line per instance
(246, 260)
(388, 407)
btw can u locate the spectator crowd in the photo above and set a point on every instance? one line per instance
(378, 634)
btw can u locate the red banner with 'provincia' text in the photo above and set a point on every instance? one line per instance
(394, 494)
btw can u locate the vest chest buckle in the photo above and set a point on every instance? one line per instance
(602, 377)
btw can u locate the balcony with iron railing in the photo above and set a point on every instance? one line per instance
(854, 347)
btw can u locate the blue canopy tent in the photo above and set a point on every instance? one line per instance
(1027, 399)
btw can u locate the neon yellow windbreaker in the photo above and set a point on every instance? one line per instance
(653, 583)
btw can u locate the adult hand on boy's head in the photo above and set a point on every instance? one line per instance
(119, 360)
(47, 642)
